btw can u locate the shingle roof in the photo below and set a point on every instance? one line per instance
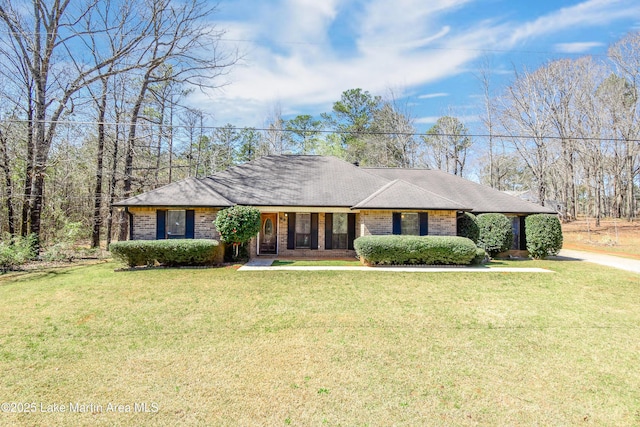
(399, 194)
(188, 192)
(480, 197)
(296, 180)
(323, 181)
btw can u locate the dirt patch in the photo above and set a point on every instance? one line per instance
(613, 236)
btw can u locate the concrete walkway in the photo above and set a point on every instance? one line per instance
(626, 264)
(264, 264)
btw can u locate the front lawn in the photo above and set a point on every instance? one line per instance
(220, 347)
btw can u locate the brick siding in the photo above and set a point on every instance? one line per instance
(144, 223)
(380, 223)
(441, 223)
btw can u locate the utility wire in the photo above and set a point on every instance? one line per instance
(331, 131)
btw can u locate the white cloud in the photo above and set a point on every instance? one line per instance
(292, 59)
(577, 47)
(433, 95)
(587, 13)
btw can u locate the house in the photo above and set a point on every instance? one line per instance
(315, 206)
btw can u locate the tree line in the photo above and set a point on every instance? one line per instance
(571, 128)
(94, 108)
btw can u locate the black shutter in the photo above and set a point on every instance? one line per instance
(351, 230)
(130, 223)
(523, 234)
(161, 220)
(328, 231)
(314, 231)
(291, 231)
(397, 223)
(424, 223)
(190, 224)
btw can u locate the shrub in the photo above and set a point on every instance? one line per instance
(15, 252)
(237, 225)
(480, 258)
(415, 249)
(468, 227)
(496, 234)
(544, 235)
(172, 252)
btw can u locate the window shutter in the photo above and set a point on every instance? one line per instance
(291, 231)
(161, 220)
(130, 215)
(424, 223)
(328, 231)
(351, 230)
(397, 223)
(190, 224)
(523, 234)
(314, 231)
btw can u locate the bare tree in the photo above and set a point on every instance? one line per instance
(447, 143)
(43, 41)
(525, 117)
(625, 55)
(182, 39)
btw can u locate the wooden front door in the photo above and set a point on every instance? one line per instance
(269, 233)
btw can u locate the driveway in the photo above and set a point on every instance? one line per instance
(607, 260)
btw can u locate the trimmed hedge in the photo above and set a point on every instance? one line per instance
(496, 234)
(172, 252)
(544, 235)
(480, 258)
(441, 250)
(467, 226)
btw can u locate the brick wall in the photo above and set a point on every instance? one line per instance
(376, 223)
(321, 252)
(144, 223)
(380, 223)
(442, 223)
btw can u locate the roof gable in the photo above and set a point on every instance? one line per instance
(480, 197)
(187, 192)
(399, 194)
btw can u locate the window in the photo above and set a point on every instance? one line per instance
(410, 224)
(303, 230)
(515, 227)
(340, 227)
(176, 224)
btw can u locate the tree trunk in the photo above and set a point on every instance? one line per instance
(6, 167)
(128, 160)
(97, 203)
(28, 175)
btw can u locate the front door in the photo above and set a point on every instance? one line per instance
(269, 234)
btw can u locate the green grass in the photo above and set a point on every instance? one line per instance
(222, 347)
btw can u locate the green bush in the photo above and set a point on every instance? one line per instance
(442, 250)
(16, 251)
(172, 252)
(480, 258)
(468, 227)
(495, 233)
(544, 235)
(237, 225)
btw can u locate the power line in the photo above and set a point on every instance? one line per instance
(332, 131)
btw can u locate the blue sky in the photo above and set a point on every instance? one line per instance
(300, 55)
